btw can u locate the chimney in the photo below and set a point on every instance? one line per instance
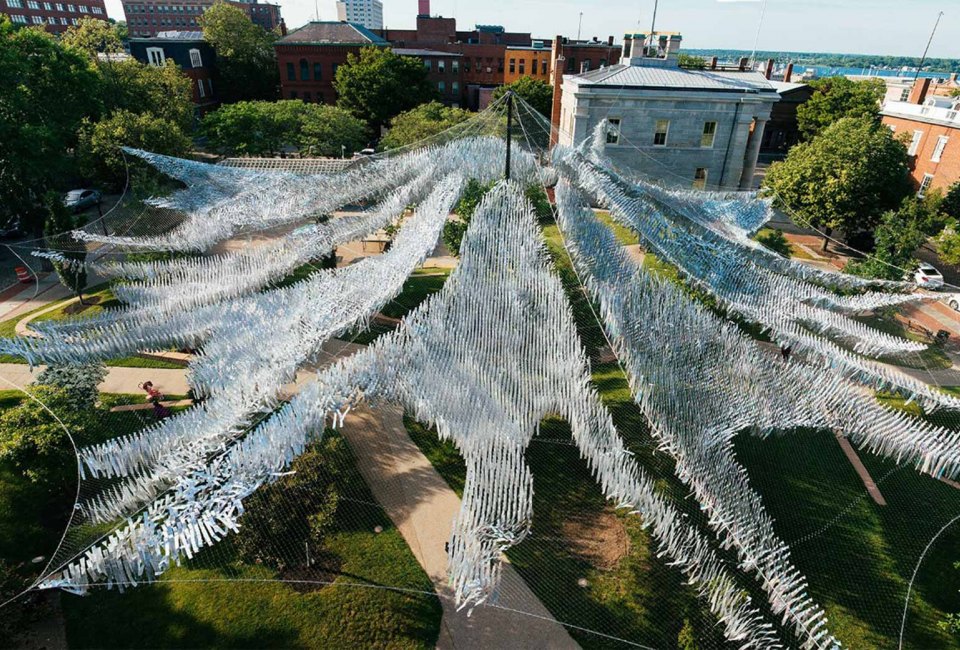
(768, 71)
(744, 63)
(788, 74)
(610, 44)
(953, 78)
(713, 63)
(919, 91)
(424, 7)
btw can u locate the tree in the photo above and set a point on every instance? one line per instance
(79, 383)
(453, 231)
(379, 85)
(33, 437)
(71, 269)
(844, 178)
(422, 122)
(835, 98)
(948, 245)
(92, 36)
(99, 146)
(330, 131)
(162, 91)
(46, 91)
(120, 27)
(246, 61)
(950, 206)
(535, 92)
(896, 239)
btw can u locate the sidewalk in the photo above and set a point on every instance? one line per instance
(118, 380)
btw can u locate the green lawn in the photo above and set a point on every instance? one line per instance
(422, 284)
(933, 358)
(379, 596)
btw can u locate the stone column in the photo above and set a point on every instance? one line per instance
(733, 166)
(751, 155)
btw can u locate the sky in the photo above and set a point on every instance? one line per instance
(897, 27)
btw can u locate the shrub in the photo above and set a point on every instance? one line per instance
(775, 241)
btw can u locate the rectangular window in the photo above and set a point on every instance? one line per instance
(660, 133)
(613, 130)
(15, 4)
(938, 150)
(442, 87)
(291, 72)
(709, 135)
(513, 66)
(455, 88)
(195, 59)
(455, 66)
(428, 64)
(33, 4)
(155, 56)
(63, 21)
(52, 20)
(97, 10)
(48, 6)
(441, 66)
(37, 20)
(915, 143)
(523, 64)
(700, 178)
(543, 67)
(84, 9)
(904, 94)
(59, 6)
(72, 9)
(200, 88)
(925, 185)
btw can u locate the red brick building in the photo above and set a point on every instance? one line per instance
(308, 58)
(931, 125)
(194, 56)
(444, 71)
(148, 17)
(56, 16)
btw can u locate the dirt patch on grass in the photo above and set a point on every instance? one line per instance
(599, 538)
(308, 579)
(77, 308)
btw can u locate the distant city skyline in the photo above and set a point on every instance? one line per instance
(890, 27)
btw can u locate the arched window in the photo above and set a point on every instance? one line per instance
(304, 70)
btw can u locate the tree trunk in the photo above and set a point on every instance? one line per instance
(826, 238)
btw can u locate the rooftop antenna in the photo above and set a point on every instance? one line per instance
(579, 25)
(924, 57)
(756, 41)
(316, 9)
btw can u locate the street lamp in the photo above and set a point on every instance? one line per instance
(343, 151)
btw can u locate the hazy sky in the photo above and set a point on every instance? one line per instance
(858, 26)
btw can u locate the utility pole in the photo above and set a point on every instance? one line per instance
(653, 23)
(924, 57)
(509, 131)
(579, 25)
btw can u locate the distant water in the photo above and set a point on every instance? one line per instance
(830, 71)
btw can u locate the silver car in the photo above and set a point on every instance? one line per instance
(78, 200)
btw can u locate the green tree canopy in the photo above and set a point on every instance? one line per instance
(246, 60)
(71, 272)
(422, 122)
(896, 240)
(163, 91)
(837, 97)
(100, 142)
(536, 92)
(78, 381)
(950, 206)
(846, 177)
(92, 36)
(264, 128)
(46, 91)
(379, 85)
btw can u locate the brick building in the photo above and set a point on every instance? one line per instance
(523, 61)
(783, 129)
(444, 71)
(149, 17)
(692, 128)
(56, 16)
(308, 58)
(195, 56)
(932, 128)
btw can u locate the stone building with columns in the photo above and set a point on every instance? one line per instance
(685, 127)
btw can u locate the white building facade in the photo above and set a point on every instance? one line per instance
(684, 127)
(368, 13)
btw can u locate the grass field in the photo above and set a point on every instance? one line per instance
(379, 596)
(418, 287)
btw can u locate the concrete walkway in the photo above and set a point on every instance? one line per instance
(118, 380)
(423, 507)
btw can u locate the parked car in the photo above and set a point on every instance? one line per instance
(11, 229)
(952, 301)
(927, 277)
(78, 200)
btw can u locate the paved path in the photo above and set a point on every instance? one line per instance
(118, 380)
(861, 470)
(423, 507)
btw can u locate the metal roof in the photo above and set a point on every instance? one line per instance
(173, 35)
(333, 33)
(673, 78)
(786, 86)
